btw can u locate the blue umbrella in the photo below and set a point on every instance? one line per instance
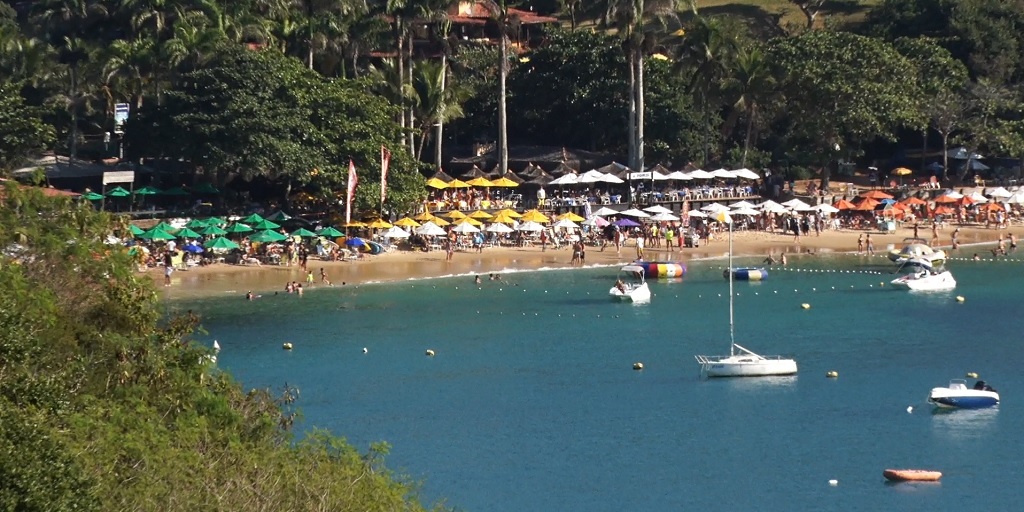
(354, 242)
(626, 223)
(192, 248)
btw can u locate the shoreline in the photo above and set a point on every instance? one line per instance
(225, 279)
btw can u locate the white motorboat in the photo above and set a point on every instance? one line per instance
(926, 279)
(958, 396)
(631, 286)
(917, 250)
(742, 362)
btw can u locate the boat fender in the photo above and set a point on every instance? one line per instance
(805, 305)
(638, 366)
(832, 374)
(960, 298)
(833, 482)
(972, 375)
(287, 346)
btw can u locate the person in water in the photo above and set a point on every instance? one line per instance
(477, 280)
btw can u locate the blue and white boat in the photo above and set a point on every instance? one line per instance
(958, 396)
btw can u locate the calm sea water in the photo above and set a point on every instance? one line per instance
(531, 403)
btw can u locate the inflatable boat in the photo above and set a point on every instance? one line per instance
(746, 274)
(656, 269)
(911, 475)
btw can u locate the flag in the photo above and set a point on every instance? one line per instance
(385, 161)
(352, 181)
(723, 216)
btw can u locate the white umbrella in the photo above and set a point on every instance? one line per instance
(591, 176)
(566, 179)
(529, 226)
(657, 209)
(395, 232)
(611, 178)
(633, 212)
(722, 173)
(498, 227)
(952, 193)
(701, 174)
(999, 192)
(1016, 198)
(664, 217)
(715, 207)
(565, 223)
(771, 206)
(825, 208)
(594, 220)
(796, 204)
(746, 174)
(657, 176)
(696, 213)
(977, 197)
(742, 204)
(430, 229)
(745, 211)
(465, 227)
(604, 211)
(680, 175)
(961, 153)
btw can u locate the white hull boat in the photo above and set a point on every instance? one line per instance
(958, 396)
(631, 286)
(742, 362)
(917, 250)
(926, 280)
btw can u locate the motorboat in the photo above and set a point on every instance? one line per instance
(958, 396)
(916, 250)
(741, 362)
(631, 286)
(925, 278)
(912, 475)
(746, 273)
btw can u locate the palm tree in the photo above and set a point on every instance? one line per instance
(195, 37)
(705, 51)
(638, 23)
(500, 16)
(436, 102)
(750, 80)
(132, 63)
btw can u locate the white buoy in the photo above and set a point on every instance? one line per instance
(833, 482)
(972, 375)
(287, 346)
(960, 298)
(638, 366)
(365, 350)
(430, 352)
(910, 409)
(805, 305)
(832, 374)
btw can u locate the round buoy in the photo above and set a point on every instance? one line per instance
(972, 375)
(805, 305)
(287, 346)
(833, 482)
(430, 352)
(638, 366)
(960, 298)
(910, 409)
(365, 350)
(832, 374)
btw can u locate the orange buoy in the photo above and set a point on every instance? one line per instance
(912, 475)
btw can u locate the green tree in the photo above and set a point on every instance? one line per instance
(750, 81)
(22, 130)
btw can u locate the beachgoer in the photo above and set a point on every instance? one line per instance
(770, 260)
(976, 257)
(871, 245)
(323, 277)
(935, 234)
(309, 277)
(168, 267)
(583, 253)
(956, 243)
(477, 280)
(640, 246)
(620, 285)
(298, 289)
(860, 244)
(248, 295)
(1013, 242)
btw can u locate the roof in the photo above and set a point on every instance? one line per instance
(477, 13)
(550, 155)
(47, 191)
(62, 167)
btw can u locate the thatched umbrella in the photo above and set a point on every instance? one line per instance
(441, 175)
(562, 169)
(475, 172)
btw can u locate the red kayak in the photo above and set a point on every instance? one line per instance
(912, 475)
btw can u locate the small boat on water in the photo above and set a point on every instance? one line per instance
(911, 475)
(746, 273)
(915, 250)
(631, 286)
(926, 279)
(958, 396)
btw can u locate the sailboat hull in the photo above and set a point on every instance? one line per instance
(748, 366)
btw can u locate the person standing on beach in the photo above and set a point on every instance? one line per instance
(955, 242)
(168, 266)
(449, 248)
(860, 244)
(871, 246)
(1013, 243)
(640, 245)
(323, 277)
(935, 234)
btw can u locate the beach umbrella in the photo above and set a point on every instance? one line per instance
(469, 220)
(843, 204)
(701, 174)
(991, 207)
(164, 226)
(355, 224)
(192, 248)
(745, 211)
(118, 192)
(147, 191)
(668, 217)
(406, 222)
(722, 173)
(947, 198)
(595, 220)
(604, 211)
(395, 232)
(626, 223)
(529, 226)
(176, 191)
(220, 243)
(205, 188)
(998, 192)
(439, 221)
(872, 194)
(911, 201)
(213, 230)
(498, 227)
(430, 229)
(267, 235)
(742, 204)
(436, 183)
(656, 209)
(425, 216)
(715, 208)
(379, 224)
(455, 215)
(534, 216)
(156, 234)
(902, 171)
(465, 227)
(215, 221)
(355, 241)
(510, 212)
(238, 227)
(679, 176)
(797, 204)
(746, 174)
(942, 210)
(457, 183)
(825, 208)
(696, 213)
(135, 230)
(566, 224)
(92, 196)
(186, 233)
(252, 219)
(330, 232)
(480, 182)
(571, 216)
(480, 214)
(197, 224)
(502, 218)
(303, 232)
(279, 216)
(566, 179)
(977, 197)
(867, 204)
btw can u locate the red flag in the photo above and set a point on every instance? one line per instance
(352, 181)
(385, 161)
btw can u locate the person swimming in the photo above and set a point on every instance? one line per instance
(477, 280)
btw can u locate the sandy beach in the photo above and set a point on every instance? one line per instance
(226, 279)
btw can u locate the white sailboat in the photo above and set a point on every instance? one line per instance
(741, 362)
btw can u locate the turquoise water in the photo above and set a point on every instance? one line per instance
(531, 403)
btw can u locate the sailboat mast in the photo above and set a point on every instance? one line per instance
(732, 336)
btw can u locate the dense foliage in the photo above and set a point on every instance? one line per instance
(102, 408)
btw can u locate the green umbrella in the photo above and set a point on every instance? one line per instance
(92, 196)
(265, 224)
(220, 243)
(205, 188)
(252, 219)
(136, 231)
(197, 224)
(303, 232)
(330, 232)
(267, 236)
(186, 233)
(147, 191)
(176, 191)
(163, 226)
(279, 216)
(238, 227)
(118, 192)
(215, 221)
(157, 234)
(213, 230)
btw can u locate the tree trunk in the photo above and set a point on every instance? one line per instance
(750, 129)
(639, 110)
(73, 143)
(924, 145)
(440, 118)
(401, 78)
(945, 156)
(412, 115)
(502, 92)
(423, 142)
(631, 121)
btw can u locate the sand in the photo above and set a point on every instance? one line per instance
(227, 280)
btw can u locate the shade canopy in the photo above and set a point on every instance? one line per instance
(406, 222)
(118, 192)
(395, 232)
(267, 236)
(627, 223)
(156, 234)
(220, 243)
(238, 227)
(330, 232)
(147, 191)
(252, 219)
(213, 231)
(186, 233)
(303, 232)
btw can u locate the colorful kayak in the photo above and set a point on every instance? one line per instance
(655, 269)
(911, 475)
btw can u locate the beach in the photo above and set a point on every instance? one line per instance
(400, 265)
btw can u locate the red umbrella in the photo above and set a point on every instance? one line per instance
(876, 194)
(843, 204)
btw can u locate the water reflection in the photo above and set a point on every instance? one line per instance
(760, 383)
(964, 423)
